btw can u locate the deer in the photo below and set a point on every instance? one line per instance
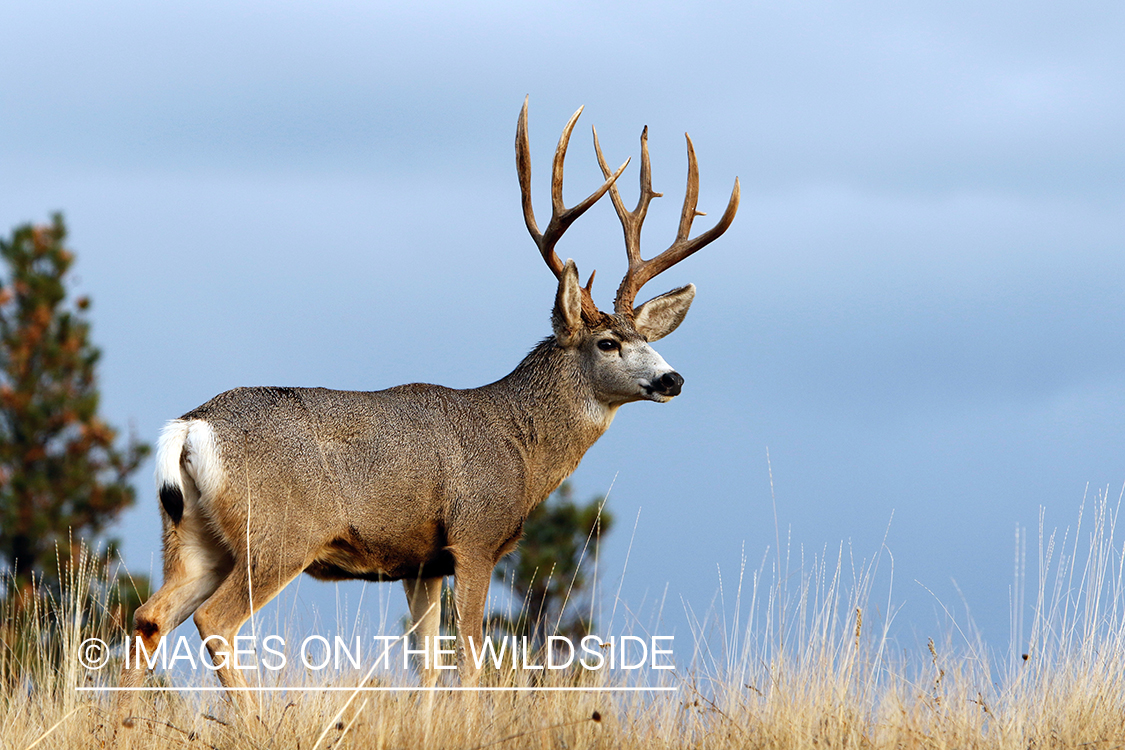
(417, 482)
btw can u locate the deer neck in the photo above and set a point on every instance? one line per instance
(552, 414)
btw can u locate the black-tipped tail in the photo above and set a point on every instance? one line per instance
(172, 498)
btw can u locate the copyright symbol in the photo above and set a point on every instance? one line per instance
(93, 654)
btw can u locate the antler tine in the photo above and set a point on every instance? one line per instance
(523, 170)
(631, 221)
(691, 194)
(561, 216)
(557, 207)
(642, 271)
(683, 247)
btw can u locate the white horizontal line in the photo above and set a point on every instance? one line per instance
(377, 689)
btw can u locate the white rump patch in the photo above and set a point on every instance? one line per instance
(194, 441)
(168, 449)
(202, 460)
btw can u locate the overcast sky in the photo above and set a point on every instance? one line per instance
(917, 312)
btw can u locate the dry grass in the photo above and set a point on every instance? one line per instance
(810, 664)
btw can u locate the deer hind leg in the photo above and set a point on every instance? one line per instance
(195, 563)
(227, 610)
(472, 574)
(424, 597)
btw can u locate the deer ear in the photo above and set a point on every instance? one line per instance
(567, 317)
(661, 315)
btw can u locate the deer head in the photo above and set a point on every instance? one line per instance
(615, 346)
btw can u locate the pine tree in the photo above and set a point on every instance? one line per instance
(548, 573)
(62, 477)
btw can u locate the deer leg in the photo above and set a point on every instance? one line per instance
(472, 574)
(223, 615)
(424, 597)
(194, 568)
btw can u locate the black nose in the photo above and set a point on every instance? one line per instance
(668, 384)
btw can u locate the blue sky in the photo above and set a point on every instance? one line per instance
(917, 312)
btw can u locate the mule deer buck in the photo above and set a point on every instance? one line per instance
(416, 482)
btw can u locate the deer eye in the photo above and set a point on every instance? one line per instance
(608, 345)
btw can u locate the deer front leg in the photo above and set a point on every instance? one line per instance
(472, 574)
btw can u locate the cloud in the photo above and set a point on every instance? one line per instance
(918, 307)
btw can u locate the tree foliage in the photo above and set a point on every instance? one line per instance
(550, 572)
(62, 477)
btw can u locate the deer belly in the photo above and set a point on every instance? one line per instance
(412, 556)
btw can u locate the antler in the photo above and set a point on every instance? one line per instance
(641, 271)
(561, 216)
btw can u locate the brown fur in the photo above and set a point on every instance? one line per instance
(413, 483)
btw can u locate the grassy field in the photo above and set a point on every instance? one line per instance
(809, 664)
